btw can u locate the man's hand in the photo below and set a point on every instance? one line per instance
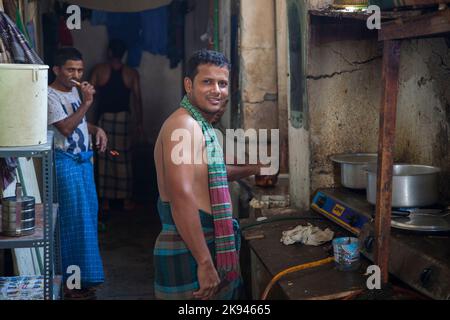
(101, 140)
(88, 91)
(209, 281)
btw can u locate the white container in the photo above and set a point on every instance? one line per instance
(23, 104)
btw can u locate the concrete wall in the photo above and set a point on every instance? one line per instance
(343, 94)
(344, 102)
(258, 64)
(161, 86)
(423, 118)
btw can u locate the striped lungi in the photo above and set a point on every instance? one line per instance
(175, 267)
(115, 176)
(78, 209)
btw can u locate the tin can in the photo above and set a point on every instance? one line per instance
(18, 217)
(346, 253)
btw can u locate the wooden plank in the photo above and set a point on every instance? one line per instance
(388, 112)
(325, 30)
(363, 15)
(425, 25)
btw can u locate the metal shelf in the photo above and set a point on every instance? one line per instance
(46, 214)
(35, 240)
(28, 151)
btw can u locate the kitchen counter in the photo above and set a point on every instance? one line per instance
(245, 190)
(264, 256)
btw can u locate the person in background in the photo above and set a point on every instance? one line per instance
(115, 83)
(78, 203)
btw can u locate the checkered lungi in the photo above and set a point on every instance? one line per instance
(175, 267)
(78, 209)
(115, 176)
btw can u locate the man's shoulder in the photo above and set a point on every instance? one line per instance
(177, 118)
(71, 96)
(130, 71)
(180, 119)
(52, 93)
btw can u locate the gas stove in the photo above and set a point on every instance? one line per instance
(420, 259)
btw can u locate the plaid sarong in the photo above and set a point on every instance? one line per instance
(115, 176)
(78, 208)
(226, 254)
(175, 267)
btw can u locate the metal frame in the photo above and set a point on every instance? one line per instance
(50, 233)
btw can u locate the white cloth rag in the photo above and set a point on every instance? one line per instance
(309, 235)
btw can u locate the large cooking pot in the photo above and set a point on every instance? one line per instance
(352, 168)
(412, 185)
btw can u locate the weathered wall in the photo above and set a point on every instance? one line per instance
(423, 118)
(343, 97)
(344, 101)
(343, 94)
(258, 64)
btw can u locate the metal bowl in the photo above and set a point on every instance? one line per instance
(353, 175)
(412, 185)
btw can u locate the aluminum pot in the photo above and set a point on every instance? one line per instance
(412, 185)
(353, 174)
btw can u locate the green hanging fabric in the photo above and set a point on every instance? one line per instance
(20, 25)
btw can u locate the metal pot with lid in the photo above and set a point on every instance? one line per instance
(412, 185)
(353, 175)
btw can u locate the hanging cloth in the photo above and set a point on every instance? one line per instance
(15, 42)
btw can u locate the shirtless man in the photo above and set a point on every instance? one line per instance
(187, 256)
(115, 83)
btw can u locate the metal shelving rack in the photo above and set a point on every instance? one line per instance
(46, 237)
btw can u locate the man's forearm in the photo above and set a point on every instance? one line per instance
(69, 124)
(92, 129)
(236, 172)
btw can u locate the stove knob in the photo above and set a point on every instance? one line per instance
(368, 243)
(353, 220)
(425, 276)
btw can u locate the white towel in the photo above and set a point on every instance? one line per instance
(309, 235)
